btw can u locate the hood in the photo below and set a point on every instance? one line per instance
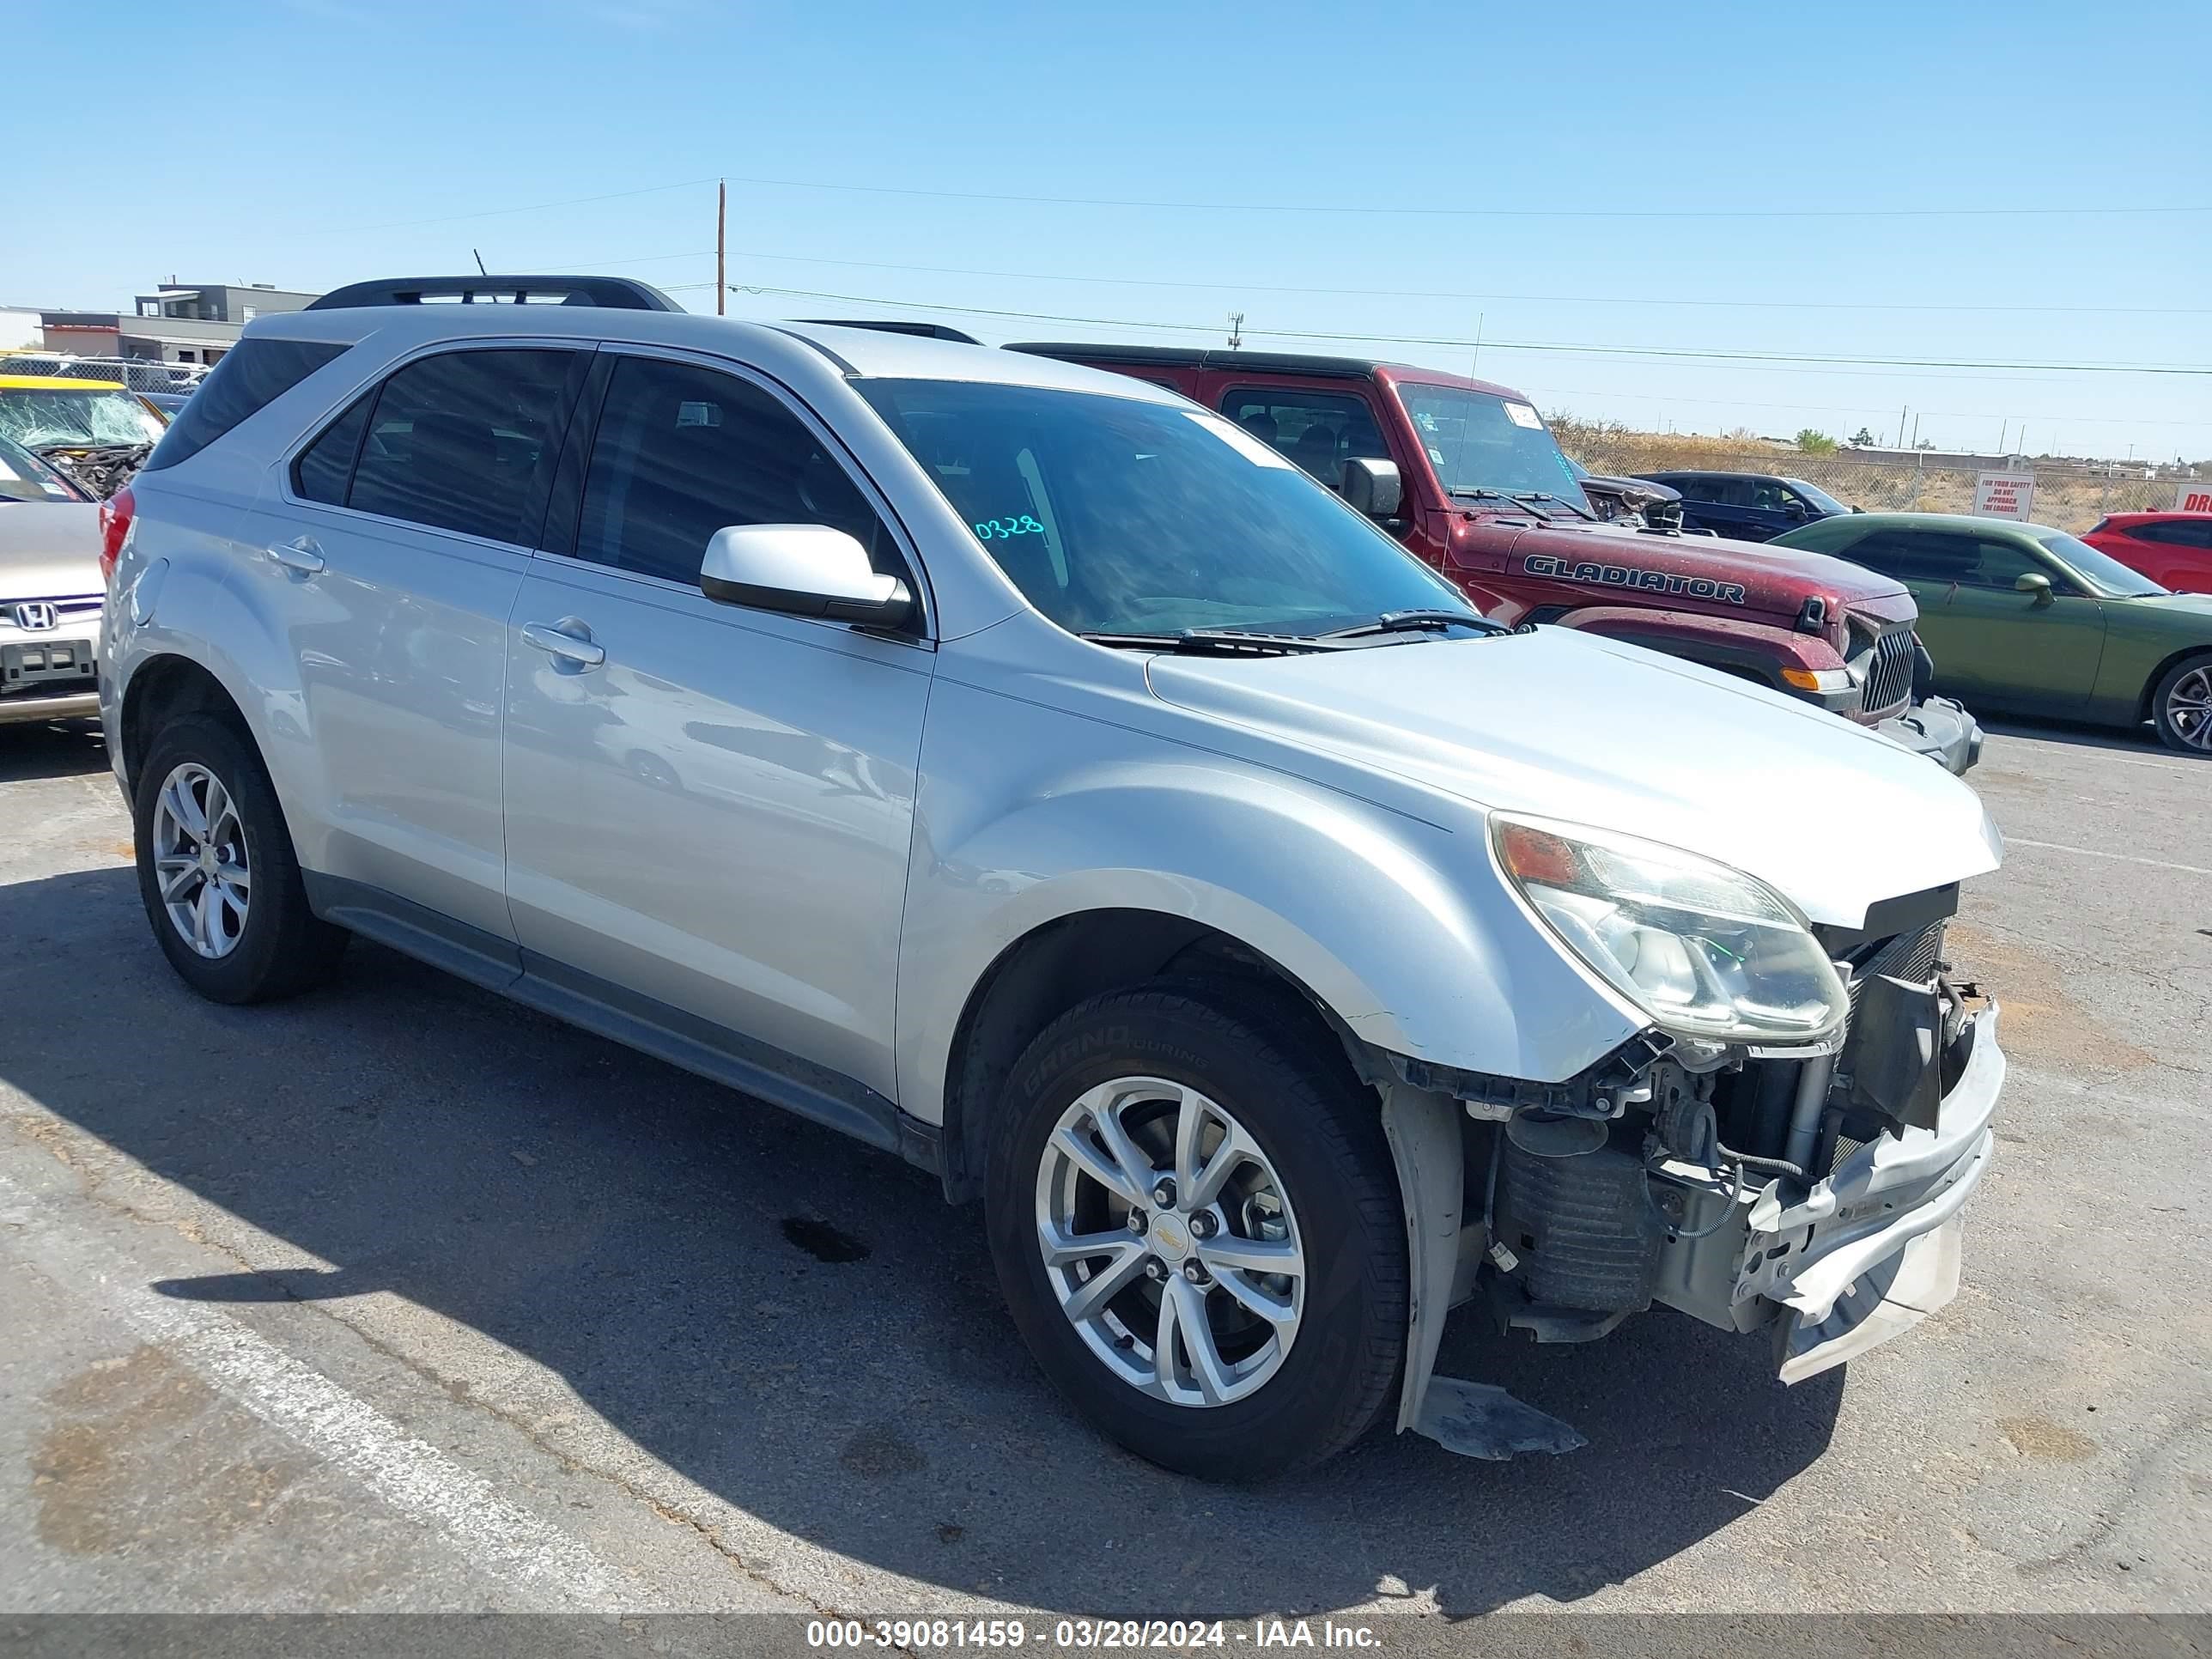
(1775, 580)
(49, 550)
(1565, 725)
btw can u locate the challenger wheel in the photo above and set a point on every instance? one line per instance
(1196, 1223)
(216, 872)
(2182, 705)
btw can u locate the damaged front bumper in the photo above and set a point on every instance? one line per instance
(1865, 1255)
(1940, 728)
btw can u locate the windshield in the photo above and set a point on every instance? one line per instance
(1819, 497)
(2107, 576)
(1477, 440)
(1115, 516)
(24, 478)
(38, 416)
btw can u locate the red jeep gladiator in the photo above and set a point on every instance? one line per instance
(1469, 477)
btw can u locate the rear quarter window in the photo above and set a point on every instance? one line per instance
(252, 374)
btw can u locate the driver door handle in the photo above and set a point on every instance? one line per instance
(568, 641)
(303, 558)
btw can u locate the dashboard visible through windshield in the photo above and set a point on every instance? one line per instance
(1120, 516)
(1476, 440)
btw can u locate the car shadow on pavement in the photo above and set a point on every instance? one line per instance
(2128, 740)
(800, 1325)
(55, 749)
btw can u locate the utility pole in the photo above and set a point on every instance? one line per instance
(2003, 427)
(1903, 410)
(1235, 330)
(721, 243)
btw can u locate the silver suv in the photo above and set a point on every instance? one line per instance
(1035, 775)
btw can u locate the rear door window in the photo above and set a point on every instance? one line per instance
(466, 442)
(1936, 556)
(684, 451)
(1319, 430)
(2176, 533)
(252, 374)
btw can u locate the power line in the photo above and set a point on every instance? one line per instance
(1358, 210)
(1670, 353)
(1384, 210)
(1411, 292)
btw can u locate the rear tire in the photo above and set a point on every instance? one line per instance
(1318, 1181)
(2181, 707)
(217, 873)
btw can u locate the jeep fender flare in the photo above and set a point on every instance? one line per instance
(1739, 646)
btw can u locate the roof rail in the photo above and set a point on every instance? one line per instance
(614, 292)
(892, 325)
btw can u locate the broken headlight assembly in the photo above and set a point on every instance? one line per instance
(1707, 951)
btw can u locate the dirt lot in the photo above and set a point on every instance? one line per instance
(402, 1297)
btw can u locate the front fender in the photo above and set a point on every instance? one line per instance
(1401, 927)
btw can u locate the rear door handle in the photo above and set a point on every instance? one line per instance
(567, 640)
(303, 558)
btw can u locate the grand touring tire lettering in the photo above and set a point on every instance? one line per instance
(1625, 575)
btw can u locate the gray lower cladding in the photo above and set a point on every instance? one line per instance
(595, 1005)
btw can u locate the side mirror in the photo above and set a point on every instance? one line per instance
(801, 570)
(2035, 582)
(1373, 486)
(1794, 510)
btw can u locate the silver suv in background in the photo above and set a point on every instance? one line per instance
(1031, 774)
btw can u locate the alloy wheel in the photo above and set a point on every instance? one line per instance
(2189, 708)
(200, 862)
(1169, 1242)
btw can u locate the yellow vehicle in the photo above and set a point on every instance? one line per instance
(96, 431)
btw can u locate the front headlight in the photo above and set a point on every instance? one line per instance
(1706, 950)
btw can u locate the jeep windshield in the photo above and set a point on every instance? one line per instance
(1480, 444)
(1136, 520)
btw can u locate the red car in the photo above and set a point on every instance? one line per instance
(2174, 549)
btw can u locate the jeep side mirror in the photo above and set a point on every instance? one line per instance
(1373, 486)
(2035, 582)
(801, 570)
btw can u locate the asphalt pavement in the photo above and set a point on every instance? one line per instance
(400, 1298)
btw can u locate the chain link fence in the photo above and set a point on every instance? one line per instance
(139, 373)
(2071, 497)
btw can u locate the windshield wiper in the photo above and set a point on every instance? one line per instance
(1212, 642)
(1415, 621)
(1539, 496)
(1479, 493)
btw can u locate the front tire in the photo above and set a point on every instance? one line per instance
(217, 873)
(2181, 707)
(1196, 1224)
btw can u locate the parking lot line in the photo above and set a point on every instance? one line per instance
(413, 1477)
(2117, 858)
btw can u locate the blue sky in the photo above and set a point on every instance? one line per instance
(307, 142)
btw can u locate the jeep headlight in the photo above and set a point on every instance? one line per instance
(1706, 950)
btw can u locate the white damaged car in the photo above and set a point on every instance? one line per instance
(1034, 775)
(50, 592)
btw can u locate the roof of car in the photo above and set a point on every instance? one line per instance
(2159, 516)
(1936, 521)
(856, 353)
(1256, 363)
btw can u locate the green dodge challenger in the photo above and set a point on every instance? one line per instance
(2019, 616)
